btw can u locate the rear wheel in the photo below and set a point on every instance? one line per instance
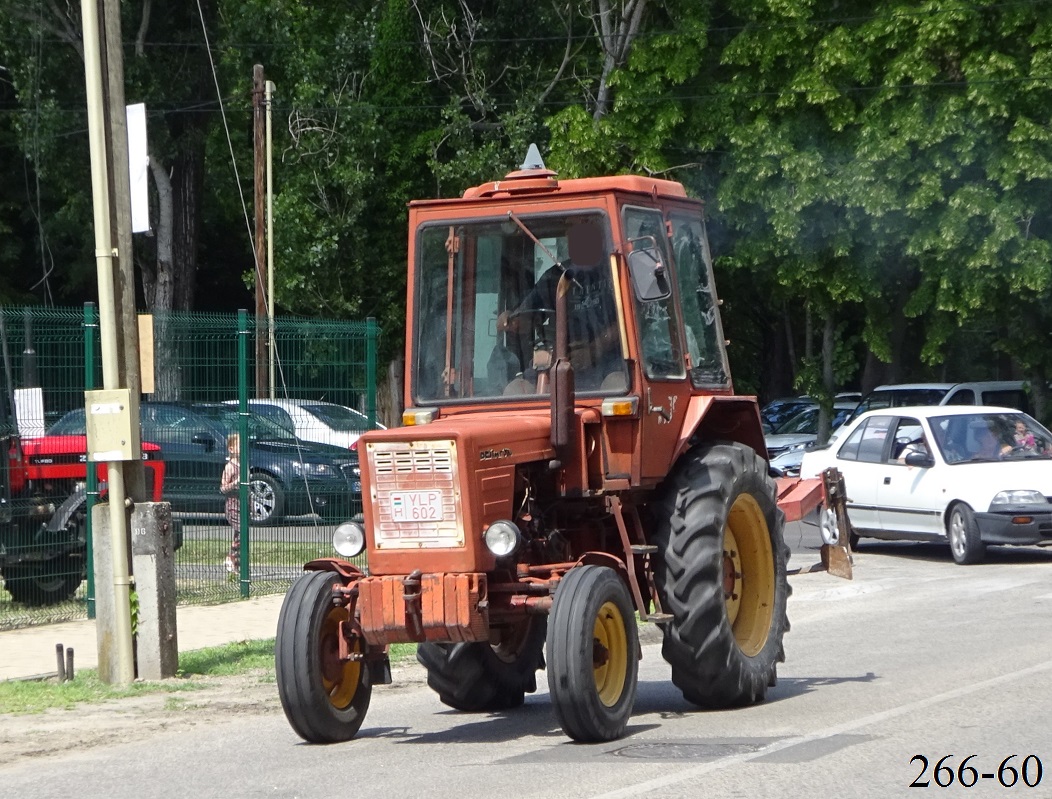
(476, 677)
(325, 699)
(965, 544)
(593, 651)
(44, 583)
(722, 575)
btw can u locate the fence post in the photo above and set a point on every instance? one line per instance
(371, 335)
(91, 326)
(243, 332)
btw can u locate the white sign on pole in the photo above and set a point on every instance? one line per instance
(138, 168)
(29, 410)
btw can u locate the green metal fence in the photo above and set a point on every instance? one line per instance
(296, 395)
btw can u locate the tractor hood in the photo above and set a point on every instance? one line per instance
(481, 440)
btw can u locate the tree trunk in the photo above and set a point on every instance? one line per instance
(825, 416)
(187, 185)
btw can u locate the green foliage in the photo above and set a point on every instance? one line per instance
(890, 163)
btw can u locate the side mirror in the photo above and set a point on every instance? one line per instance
(649, 275)
(205, 441)
(921, 459)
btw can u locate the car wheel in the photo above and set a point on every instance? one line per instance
(963, 533)
(828, 527)
(266, 499)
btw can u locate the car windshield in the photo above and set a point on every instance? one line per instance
(72, 424)
(803, 422)
(982, 437)
(338, 417)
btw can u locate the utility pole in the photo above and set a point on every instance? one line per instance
(116, 651)
(259, 126)
(120, 217)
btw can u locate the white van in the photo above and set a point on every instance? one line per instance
(1001, 393)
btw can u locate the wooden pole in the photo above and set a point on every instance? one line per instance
(259, 131)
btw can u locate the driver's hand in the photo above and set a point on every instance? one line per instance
(505, 322)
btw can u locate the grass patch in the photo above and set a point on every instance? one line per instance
(230, 660)
(36, 697)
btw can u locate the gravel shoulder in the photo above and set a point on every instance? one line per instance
(112, 723)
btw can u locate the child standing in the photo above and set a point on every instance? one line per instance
(229, 486)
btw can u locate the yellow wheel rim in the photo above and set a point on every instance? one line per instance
(340, 679)
(609, 654)
(748, 575)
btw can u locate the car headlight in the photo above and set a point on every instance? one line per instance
(502, 538)
(348, 539)
(1019, 497)
(313, 469)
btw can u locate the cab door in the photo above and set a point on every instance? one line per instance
(658, 326)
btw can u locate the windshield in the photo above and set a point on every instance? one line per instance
(978, 437)
(803, 422)
(72, 424)
(338, 417)
(495, 281)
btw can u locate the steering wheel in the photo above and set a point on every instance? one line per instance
(528, 311)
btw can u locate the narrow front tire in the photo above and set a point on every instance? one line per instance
(593, 651)
(325, 699)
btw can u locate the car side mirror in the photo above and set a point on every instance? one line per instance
(921, 459)
(205, 441)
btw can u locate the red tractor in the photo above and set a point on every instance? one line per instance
(43, 527)
(572, 454)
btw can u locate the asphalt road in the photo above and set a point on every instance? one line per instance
(914, 658)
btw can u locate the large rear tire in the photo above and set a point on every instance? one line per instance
(44, 583)
(325, 700)
(478, 677)
(593, 651)
(721, 573)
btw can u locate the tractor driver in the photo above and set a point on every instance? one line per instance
(594, 337)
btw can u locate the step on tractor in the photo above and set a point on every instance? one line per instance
(572, 455)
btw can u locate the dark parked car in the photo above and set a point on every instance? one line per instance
(287, 476)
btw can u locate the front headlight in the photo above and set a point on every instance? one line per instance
(348, 539)
(313, 469)
(502, 538)
(1019, 497)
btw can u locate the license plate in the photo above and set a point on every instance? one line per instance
(416, 506)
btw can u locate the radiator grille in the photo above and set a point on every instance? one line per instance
(415, 495)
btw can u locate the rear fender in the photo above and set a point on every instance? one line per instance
(76, 501)
(721, 418)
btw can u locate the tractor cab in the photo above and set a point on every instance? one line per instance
(620, 265)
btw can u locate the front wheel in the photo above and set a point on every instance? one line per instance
(722, 575)
(266, 499)
(965, 543)
(593, 650)
(325, 699)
